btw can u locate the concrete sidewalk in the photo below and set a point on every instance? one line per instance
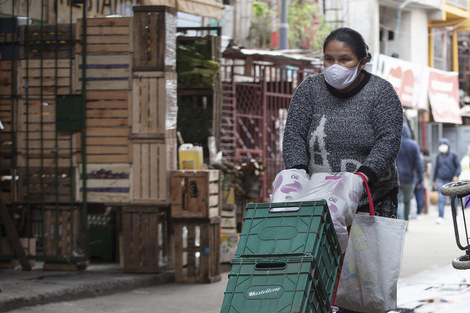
(27, 288)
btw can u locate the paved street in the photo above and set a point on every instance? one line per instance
(427, 282)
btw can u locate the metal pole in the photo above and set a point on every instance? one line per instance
(283, 27)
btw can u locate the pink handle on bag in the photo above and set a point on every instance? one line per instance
(371, 204)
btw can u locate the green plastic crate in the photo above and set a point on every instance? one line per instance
(289, 229)
(269, 285)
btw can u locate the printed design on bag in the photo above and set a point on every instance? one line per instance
(353, 268)
(354, 196)
(288, 189)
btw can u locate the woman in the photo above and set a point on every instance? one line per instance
(347, 120)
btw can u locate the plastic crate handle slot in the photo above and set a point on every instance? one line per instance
(285, 209)
(270, 266)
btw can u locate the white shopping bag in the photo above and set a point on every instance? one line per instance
(342, 191)
(372, 263)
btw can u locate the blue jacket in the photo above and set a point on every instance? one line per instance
(409, 163)
(447, 165)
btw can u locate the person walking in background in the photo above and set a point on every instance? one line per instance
(422, 194)
(410, 172)
(446, 169)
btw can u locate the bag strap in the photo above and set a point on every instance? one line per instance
(371, 203)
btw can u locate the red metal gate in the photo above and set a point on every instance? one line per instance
(254, 112)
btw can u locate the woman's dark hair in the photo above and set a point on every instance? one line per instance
(353, 39)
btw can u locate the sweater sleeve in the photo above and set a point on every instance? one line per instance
(387, 121)
(295, 141)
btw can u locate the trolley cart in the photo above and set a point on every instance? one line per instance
(460, 191)
(287, 260)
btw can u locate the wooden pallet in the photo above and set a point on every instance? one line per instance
(7, 80)
(38, 143)
(154, 103)
(47, 41)
(46, 77)
(195, 194)
(6, 148)
(107, 127)
(105, 36)
(46, 184)
(105, 72)
(197, 250)
(62, 228)
(152, 163)
(106, 183)
(145, 238)
(154, 34)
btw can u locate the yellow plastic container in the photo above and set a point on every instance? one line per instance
(190, 157)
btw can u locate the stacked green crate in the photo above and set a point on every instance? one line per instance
(283, 244)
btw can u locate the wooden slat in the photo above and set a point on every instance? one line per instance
(47, 77)
(105, 72)
(7, 68)
(154, 35)
(106, 36)
(207, 268)
(151, 165)
(153, 102)
(143, 238)
(47, 41)
(106, 183)
(185, 203)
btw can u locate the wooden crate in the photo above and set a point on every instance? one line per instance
(105, 72)
(29, 245)
(46, 184)
(6, 140)
(152, 163)
(48, 77)
(105, 35)
(106, 183)
(38, 143)
(62, 229)
(8, 76)
(195, 194)
(228, 221)
(145, 232)
(154, 102)
(197, 250)
(107, 127)
(47, 41)
(154, 34)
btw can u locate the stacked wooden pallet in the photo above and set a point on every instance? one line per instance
(195, 219)
(45, 70)
(153, 137)
(153, 103)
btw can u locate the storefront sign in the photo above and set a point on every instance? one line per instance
(444, 96)
(407, 78)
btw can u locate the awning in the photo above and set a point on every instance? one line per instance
(206, 8)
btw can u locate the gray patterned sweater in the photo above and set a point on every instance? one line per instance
(328, 131)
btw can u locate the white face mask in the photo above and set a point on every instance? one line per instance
(339, 76)
(443, 148)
